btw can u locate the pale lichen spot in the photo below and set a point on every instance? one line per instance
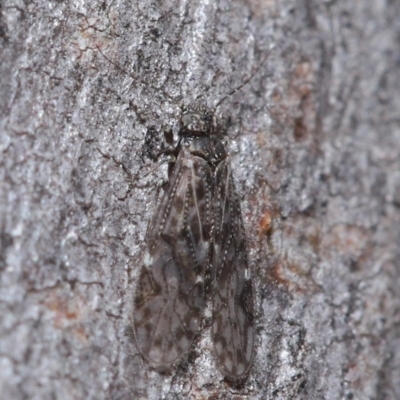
(189, 163)
(228, 364)
(249, 347)
(156, 355)
(147, 260)
(215, 326)
(218, 347)
(173, 283)
(184, 343)
(240, 368)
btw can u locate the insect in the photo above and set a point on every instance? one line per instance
(196, 251)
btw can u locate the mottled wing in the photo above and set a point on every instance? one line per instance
(169, 298)
(233, 327)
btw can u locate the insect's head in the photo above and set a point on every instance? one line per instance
(197, 119)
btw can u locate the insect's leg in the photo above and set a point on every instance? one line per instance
(119, 163)
(169, 136)
(134, 181)
(161, 153)
(167, 158)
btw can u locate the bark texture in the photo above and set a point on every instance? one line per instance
(86, 91)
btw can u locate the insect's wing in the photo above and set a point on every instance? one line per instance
(233, 326)
(169, 298)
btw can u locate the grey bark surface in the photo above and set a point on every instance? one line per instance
(86, 92)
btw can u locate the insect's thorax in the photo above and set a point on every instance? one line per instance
(209, 147)
(201, 135)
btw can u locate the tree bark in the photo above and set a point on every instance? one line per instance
(87, 91)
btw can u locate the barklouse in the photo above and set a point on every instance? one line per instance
(196, 249)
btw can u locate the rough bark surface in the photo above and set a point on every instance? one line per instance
(86, 91)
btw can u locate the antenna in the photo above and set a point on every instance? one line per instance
(119, 68)
(244, 83)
